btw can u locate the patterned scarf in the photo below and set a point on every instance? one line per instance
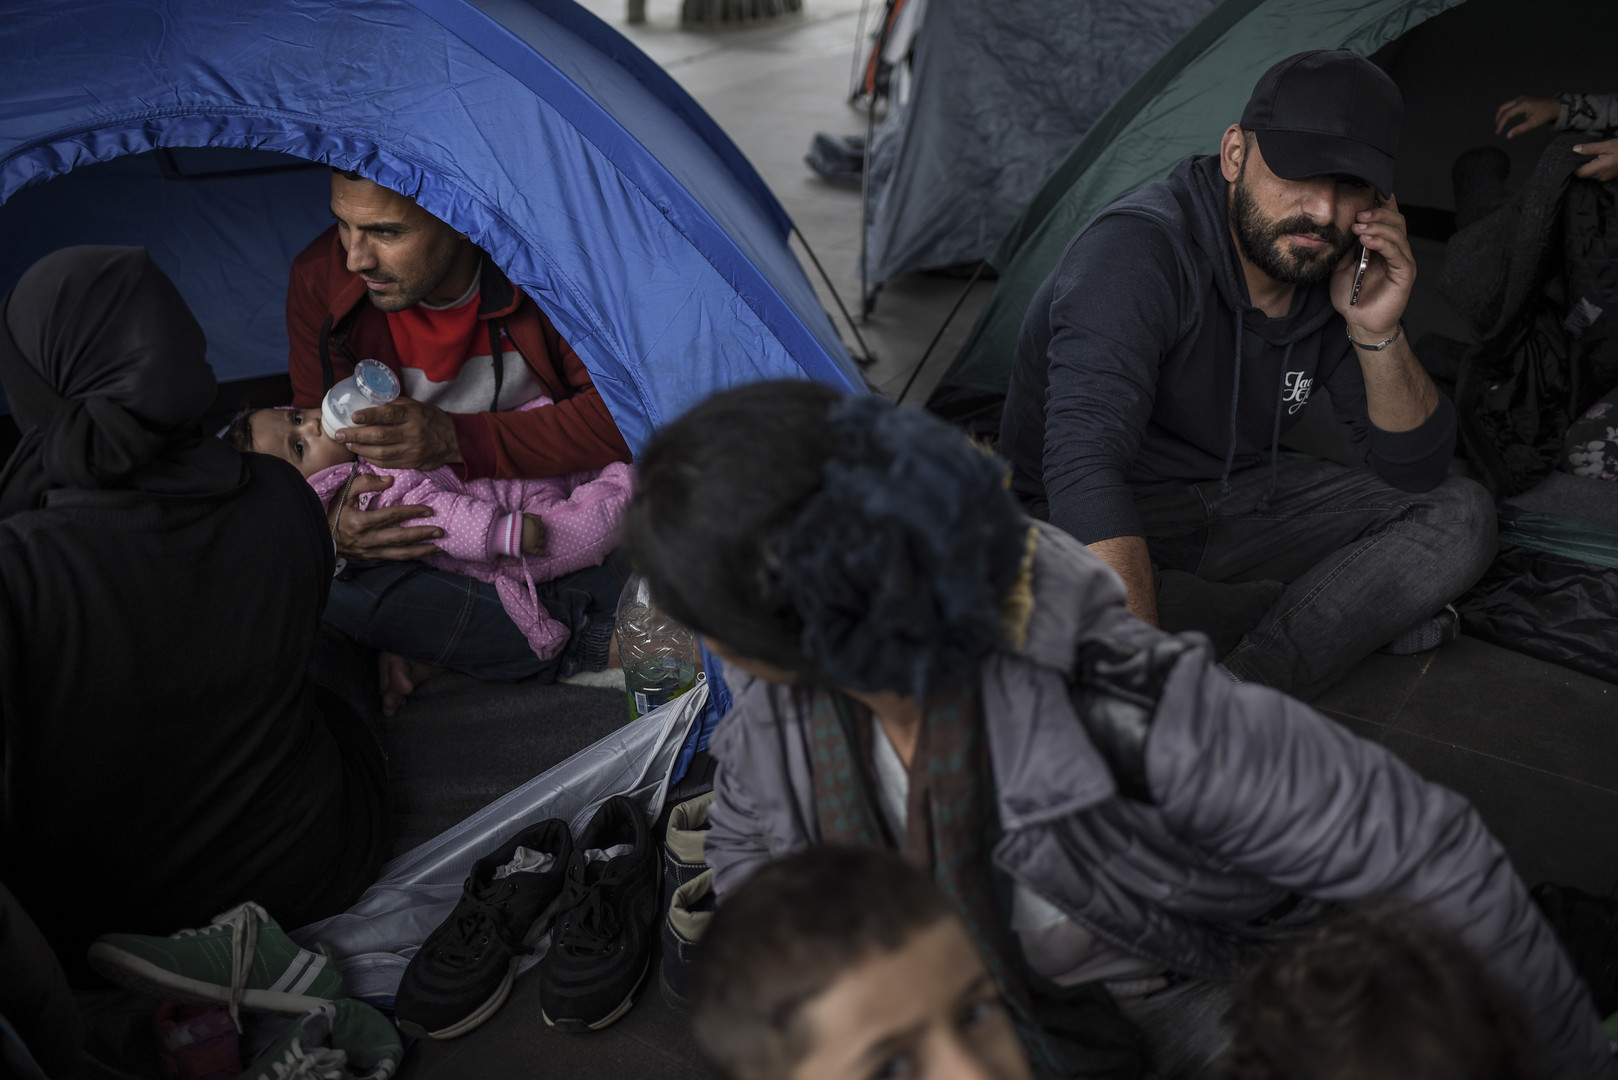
(950, 830)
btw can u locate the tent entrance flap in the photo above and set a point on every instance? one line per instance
(224, 224)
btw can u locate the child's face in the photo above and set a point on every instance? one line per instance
(294, 435)
(928, 1011)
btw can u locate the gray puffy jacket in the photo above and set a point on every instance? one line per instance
(1255, 804)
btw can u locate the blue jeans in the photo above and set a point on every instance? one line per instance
(1337, 565)
(448, 620)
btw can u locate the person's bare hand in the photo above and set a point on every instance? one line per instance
(404, 434)
(533, 535)
(1536, 112)
(1389, 277)
(380, 534)
(1603, 163)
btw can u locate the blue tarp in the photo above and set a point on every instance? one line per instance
(593, 180)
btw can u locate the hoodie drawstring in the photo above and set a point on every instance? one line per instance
(1235, 401)
(1275, 433)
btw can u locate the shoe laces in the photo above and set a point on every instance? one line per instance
(592, 923)
(315, 1063)
(480, 915)
(243, 922)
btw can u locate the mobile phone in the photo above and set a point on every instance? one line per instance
(1359, 275)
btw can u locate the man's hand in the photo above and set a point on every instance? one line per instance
(378, 534)
(1603, 163)
(1388, 279)
(405, 434)
(1535, 112)
(1399, 394)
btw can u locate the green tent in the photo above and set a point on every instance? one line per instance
(1183, 103)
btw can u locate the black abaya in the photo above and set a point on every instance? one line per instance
(163, 758)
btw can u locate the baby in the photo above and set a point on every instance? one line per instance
(510, 533)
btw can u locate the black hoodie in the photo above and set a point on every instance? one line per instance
(1142, 366)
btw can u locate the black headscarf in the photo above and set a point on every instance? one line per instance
(105, 369)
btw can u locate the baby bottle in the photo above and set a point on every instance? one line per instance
(659, 655)
(371, 384)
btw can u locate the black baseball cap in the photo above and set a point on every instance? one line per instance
(1327, 111)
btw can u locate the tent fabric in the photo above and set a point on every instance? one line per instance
(1180, 106)
(593, 181)
(998, 94)
(1556, 534)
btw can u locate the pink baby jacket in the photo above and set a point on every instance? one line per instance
(482, 523)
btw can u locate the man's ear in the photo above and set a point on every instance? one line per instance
(1232, 152)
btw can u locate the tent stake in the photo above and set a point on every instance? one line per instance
(865, 359)
(959, 300)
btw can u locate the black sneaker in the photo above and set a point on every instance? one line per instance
(465, 968)
(689, 912)
(1441, 629)
(603, 940)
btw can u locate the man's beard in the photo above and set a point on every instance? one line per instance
(1262, 241)
(393, 303)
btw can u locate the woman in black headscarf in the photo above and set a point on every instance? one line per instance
(161, 758)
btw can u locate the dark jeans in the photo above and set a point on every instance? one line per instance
(448, 620)
(1337, 565)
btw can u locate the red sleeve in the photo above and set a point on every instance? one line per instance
(576, 433)
(306, 312)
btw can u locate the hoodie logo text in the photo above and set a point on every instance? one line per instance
(1297, 391)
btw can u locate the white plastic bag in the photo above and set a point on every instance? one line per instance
(374, 940)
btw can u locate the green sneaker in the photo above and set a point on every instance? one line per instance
(243, 960)
(340, 1040)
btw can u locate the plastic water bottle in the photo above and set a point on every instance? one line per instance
(371, 384)
(659, 654)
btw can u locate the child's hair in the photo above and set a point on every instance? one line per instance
(238, 434)
(785, 937)
(1379, 993)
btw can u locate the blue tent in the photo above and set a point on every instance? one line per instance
(200, 129)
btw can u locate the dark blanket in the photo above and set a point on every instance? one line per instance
(1537, 280)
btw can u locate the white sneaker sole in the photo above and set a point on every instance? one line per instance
(127, 969)
(478, 1016)
(473, 1019)
(576, 1025)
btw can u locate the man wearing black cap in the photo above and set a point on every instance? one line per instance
(1183, 332)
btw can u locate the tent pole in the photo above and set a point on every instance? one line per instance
(854, 86)
(959, 300)
(867, 297)
(865, 359)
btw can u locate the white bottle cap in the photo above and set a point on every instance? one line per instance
(376, 382)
